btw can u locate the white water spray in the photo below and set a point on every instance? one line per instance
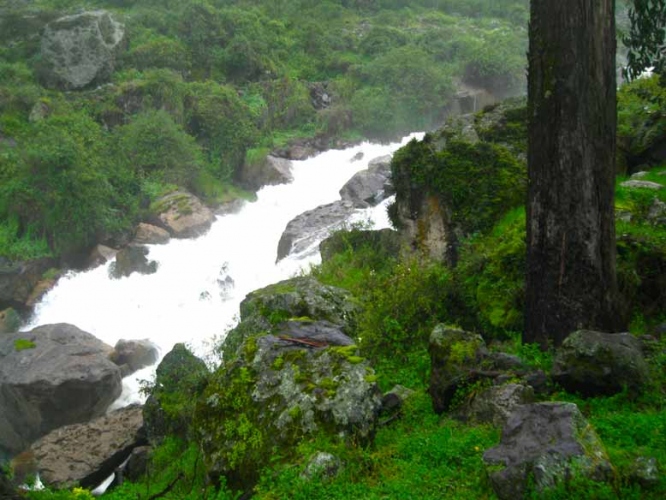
(191, 297)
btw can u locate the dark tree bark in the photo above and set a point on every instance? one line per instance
(571, 280)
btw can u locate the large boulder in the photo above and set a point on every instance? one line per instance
(147, 234)
(80, 50)
(369, 187)
(132, 259)
(18, 280)
(51, 376)
(269, 171)
(86, 454)
(305, 379)
(547, 444)
(494, 405)
(453, 353)
(183, 215)
(595, 363)
(180, 377)
(304, 230)
(132, 355)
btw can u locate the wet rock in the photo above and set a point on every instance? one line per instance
(18, 280)
(547, 444)
(322, 465)
(384, 243)
(180, 378)
(42, 287)
(130, 260)
(183, 215)
(314, 225)
(86, 454)
(52, 376)
(99, 255)
(494, 405)
(369, 187)
(147, 234)
(453, 352)
(595, 363)
(10, 321)
(306, 379)
(270, 171)
(132, 355)
(80, 50)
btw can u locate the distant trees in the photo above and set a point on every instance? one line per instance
(571, 280)
(646, 38)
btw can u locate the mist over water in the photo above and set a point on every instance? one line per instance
(195, 293)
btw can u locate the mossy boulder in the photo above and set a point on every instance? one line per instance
(182, 214)
(596, 363)
(453, 353)
(306, 379)
(301, 297)
(180, 378)
(544, 445)
(80, 50)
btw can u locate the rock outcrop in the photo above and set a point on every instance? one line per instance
(86, 454)
(132, 355)
(80, 50)
(130, 260)
(147, 234)
(18, 280)
(52, 376)
(595, 363)
(304, 230)
(270, 171)
(547, 444)
(369, 187)
(183, 215)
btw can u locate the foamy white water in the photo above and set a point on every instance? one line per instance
(187, 299)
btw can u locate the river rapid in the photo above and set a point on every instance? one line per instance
(195, 294)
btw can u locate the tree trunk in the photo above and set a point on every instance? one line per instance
(571, 280)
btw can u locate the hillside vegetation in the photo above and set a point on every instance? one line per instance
(203, 86)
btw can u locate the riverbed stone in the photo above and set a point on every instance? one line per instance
(369, 187)
(51, 376)
(147, 234)
(269, 171)
(132, 355)
(85, 454)
(183, 215)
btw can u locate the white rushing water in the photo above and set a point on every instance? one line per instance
(186, 300)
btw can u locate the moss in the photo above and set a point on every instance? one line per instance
(23, 344)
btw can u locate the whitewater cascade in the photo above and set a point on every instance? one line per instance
(190, 298)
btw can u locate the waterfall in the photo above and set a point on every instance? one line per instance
(195, 293)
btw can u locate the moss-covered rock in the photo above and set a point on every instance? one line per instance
(545, 445)
(181, 377)
(595, 363)
(453, 352)
(304, 380)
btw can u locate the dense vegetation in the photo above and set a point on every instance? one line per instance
(206, 85)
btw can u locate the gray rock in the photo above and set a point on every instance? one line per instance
(130, 260)
(18, 279)
(86, 454)
(636, 184)
(52, 376)
(639, 175)
(494, 405)
(99, 255)
(183, 215)
(286, 387)
(270, 171)
(595, 363)
(80, 50)
(357, 157)
(312, 226)
(548, 444)
(645, 471)
(657, 213)
(322, 465)
(453, 352)
(369, 187)
(180, 378)
(132, 355)
(147, 234)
